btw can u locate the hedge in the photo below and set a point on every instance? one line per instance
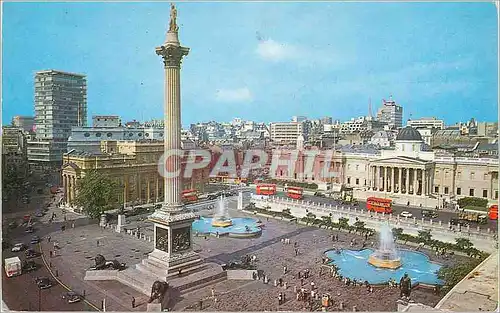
(472, 201)
(292, 183)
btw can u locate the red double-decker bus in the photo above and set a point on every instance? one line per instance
(189, 196)
(493, 212)
(295, 193)
(379, 205)
(266, 189)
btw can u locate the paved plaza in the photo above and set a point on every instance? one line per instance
(79, 246)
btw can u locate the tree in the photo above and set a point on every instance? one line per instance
(343, 223)
(424, 236)
(463, 244)
(454, 274)
(472, 201)
(396, 232)
(326, 221)
(96, 193)
(11, 180)
(359, 226)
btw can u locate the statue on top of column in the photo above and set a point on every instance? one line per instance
(173, 16)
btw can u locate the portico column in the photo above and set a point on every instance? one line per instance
(125, 189)
(400, 185)
(374, 177)
(424, 183)
(407, 182)
(393, 183)
(157, 195)
(415, 176)
(385, 178)
(149, 188)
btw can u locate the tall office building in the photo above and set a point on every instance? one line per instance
(24, 122)
(391, 113)
(60, 103)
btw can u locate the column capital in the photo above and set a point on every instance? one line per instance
(172, 55)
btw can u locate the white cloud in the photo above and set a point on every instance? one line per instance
(234, 95)
(275, 51)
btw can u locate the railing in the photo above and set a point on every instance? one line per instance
(369, 216)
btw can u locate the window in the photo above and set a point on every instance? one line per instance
(98, 134)
(471, 192)
(459, 191)
(496, 194)
(147, 134)
(86, 135)
(436, 189)
(459, 175)
(485, 176)
(446, 190)
(472, 174)
(139, 134)
(348, 180)
(357, 167)
(109, 134)
(357, 181)
(446, 173)
(130, 134)
(485, 193)
(348, 166)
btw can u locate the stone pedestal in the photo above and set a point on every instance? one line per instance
(154, 307)
(240, 200)
(121, 223)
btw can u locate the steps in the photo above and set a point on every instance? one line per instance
(140, 281)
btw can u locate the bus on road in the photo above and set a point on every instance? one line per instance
(266, 189)
(493, 212)
(379, 205)
(295, 193)
(189, 196)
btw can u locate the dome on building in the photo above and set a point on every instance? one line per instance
(409, 134)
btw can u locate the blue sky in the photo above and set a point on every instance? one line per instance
(261, 61)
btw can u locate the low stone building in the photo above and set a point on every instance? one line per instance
(134, 164)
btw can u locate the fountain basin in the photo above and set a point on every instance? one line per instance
(354, 264)
(241, 227)
(222, 222)
(376, 261)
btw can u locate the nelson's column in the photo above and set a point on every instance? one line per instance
(172, 224)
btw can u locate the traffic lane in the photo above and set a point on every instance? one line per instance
(20, 293)
(443, 216)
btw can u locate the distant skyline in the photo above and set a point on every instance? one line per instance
(261, 61)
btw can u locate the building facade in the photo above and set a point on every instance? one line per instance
(410, 173)
(60, 104)
(391, 113)
(133, 164)
(14, 149)
(285, 132)
(426, 122)
(26, 123)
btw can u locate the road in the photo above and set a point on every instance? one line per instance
(443, 216)
(21, 293)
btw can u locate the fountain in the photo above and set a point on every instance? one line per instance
(386, 256)
(221, 218)
(222, 225)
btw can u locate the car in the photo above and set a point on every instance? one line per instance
(30, 253)
(35, 240)
(319, 194)
(29, 229)
(429, 214)
(18, 247)
(406, 214)
(43, 282)
(38, 214)
(71, 297)
(29, 266)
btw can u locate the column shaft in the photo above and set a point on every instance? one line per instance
(407, 180)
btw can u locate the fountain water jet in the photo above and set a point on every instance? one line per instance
(386, 256)
(221, 218)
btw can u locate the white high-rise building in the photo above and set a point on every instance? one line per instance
(391, 113)
(286, 132)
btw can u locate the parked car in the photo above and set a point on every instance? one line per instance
(30, 253)
(71, 297)
(18, 247)
(319, 194)
(30, 266)
(406, 214)
(35, 240)
(429, 214)
(43, 282)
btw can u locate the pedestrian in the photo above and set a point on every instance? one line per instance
(302, 281)
(213, 292)
(50, 253)
(73, 225)
(98, 242)
(48, 238)
(284, 270)
(285, 285)
(57, 273)
(50, 264)
(200, 304)
(84, 293)
(133, 302)
(296, 251)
